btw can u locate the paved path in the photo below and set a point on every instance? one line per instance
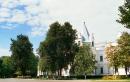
(34, 80)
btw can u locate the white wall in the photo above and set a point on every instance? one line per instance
(100, 51)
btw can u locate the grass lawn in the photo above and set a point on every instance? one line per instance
(109, 81)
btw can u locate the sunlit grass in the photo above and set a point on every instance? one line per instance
(110, 81)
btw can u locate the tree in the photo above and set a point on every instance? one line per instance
(125, 38)
(59, 46)
(1, 67)
(7, 68)
(125, 14)
(22, 54)
(84, 61)
(124, 44)
(33, 65)
(43, 64)
(113, 56)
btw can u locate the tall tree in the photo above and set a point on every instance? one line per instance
(113, 57)
(124, 44)
(44, 63)
(84, 61)
(59, 46)
(125, 14)
(22, 53)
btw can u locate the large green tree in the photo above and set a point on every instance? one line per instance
(22, 54)
(59, 46)
(124, 45)
(125, 14)
(124, 41)
(84, 61)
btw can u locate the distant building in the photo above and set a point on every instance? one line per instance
(102, 67)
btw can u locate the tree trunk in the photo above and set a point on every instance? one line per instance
(85, 76)
(116, 70)
(60, 72)
(126, 70)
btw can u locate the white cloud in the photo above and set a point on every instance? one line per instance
(100, 15)
(18, 17)
(4, 12)
(7, 27)
(38, 31)
(24, 12)
(4, 52)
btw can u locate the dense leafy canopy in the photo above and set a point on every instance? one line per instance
(6, 66)
(59, 46)
(119, 56)
(113, 57)
(22, 54)
(124, 45)
(84, 61)
(125, 14)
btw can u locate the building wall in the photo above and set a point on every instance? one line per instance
(102, 64)
(100, 51)
(102, 67)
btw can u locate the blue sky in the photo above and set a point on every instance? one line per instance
(33, 17)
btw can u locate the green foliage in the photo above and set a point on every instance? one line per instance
(1, 66)
(43, 64)
(33, 65)
(114, 77)
(59, 46)
(113, 56)
(124, 45)
(84, 61)
(119, 55)
(125, 14)
(7, 68)
(22, 54)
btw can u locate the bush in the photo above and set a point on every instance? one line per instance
(114, 77)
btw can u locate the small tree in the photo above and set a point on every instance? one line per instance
(7, 68)
(113, 57)
(1, 67)
(84, 61)
(124, 44)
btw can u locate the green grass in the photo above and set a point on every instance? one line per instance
(109, 80)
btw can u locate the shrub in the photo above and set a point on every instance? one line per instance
(113, 77)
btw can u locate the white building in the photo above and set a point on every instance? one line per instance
(102, 67)
(102, 63)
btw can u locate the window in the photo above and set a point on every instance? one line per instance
(79, 42)
(101, 58)
(101, 70)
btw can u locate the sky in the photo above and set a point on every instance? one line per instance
(33, 17)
